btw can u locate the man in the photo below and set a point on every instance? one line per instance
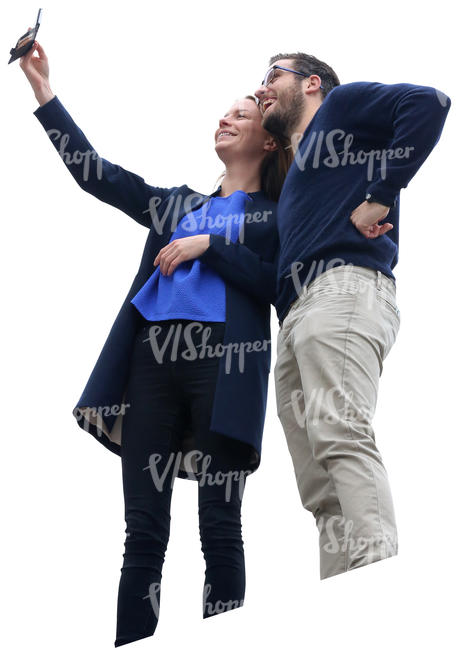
(356, 145)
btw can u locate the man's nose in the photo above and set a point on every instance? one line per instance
(261, 91)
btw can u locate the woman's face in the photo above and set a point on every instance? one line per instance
(240, 134)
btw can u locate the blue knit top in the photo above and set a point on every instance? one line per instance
(194, 290)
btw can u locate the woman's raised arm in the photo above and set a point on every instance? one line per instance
(106, 181)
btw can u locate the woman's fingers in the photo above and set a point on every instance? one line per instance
(23, 60)
(40, 50)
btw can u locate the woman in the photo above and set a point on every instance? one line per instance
(180, 386)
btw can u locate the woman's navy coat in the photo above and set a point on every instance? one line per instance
(248, 268)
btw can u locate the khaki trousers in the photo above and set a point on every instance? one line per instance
(330, 351)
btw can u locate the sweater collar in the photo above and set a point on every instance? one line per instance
(252, 195)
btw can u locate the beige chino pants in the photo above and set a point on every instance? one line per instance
(330, 353)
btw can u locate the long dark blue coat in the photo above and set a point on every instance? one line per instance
(248, 267)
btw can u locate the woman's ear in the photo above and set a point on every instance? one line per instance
(270, 144)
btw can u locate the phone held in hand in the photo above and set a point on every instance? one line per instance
(25, 42)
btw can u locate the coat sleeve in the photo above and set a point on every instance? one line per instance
(242, 267)
(106, 181)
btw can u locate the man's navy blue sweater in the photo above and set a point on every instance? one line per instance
(365, 138)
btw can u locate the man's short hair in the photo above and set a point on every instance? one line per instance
(309, 65)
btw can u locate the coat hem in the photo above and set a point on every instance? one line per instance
(90, 419)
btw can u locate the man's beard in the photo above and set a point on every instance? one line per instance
(283, 121)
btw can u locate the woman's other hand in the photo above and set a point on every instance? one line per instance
(36, 69)
(180, 250)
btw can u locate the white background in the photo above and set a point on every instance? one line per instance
(147, 83)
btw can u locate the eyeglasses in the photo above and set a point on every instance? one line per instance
(271, 74)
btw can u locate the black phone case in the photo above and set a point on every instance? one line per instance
(25, 42)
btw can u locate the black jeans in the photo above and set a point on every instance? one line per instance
(165, 392)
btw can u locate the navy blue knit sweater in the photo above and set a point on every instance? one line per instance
(365, 138)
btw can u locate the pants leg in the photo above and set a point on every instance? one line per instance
(219, 509)
(330, 353)
(148, 441)
(315, 486)
(221, 482)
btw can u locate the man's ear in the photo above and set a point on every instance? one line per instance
(270, 144)
(313, 82)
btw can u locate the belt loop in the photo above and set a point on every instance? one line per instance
(378, 280)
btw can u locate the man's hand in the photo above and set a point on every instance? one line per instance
(180, 250)
(365, 218)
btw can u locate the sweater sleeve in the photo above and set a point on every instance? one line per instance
(106, 181)
(415, 117)
(242, 267)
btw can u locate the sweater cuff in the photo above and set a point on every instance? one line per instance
(210, 251)
(383, 195)
(49, 109)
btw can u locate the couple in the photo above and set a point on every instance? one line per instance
(305, 218)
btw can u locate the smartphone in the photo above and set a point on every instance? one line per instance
(25, 42)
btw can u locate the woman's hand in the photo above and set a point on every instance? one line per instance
(36, 69)
(180, 250)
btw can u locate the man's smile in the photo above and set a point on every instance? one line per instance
(266, 103)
